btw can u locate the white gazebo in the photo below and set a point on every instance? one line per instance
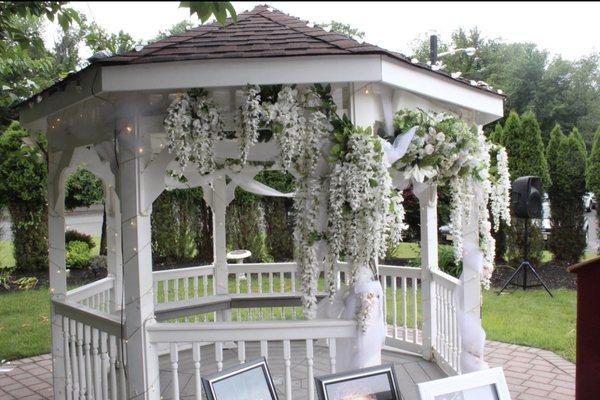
(143, 334)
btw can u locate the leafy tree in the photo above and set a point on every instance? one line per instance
(567, 239)
(97, 39)
(83, 189)
(346, 29)
(176, 29)
(207, 9)
(23, 191)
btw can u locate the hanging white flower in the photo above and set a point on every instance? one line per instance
(250, 119)
(193, 124)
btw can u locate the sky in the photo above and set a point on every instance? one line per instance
(570, 29)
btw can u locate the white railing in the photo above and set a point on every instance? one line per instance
(183, 283)
(446, 338)
(402, 303)
(92, 352)
(268, 281)
(98, 295)
(263, 337)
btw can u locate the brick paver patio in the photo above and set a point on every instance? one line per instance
(532, 374)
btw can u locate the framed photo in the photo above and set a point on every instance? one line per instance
(489, 384)
(249, 381)
(375, 383)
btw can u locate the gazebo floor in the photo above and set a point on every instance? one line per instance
(410, 370)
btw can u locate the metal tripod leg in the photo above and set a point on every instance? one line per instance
(509, 280)
(539, 279)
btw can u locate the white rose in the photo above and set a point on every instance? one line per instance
(440, 137)
(429, 149)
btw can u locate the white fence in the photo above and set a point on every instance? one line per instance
(98, 295)
(262, 308)
(92, 352)
(266, 333)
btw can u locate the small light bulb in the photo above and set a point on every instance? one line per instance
(367, 91)
(140, 150)
(129, 129)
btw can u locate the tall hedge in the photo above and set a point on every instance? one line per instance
(567, 239)
(23, 177)
(593, 172)
(522, 138)
(181, 228)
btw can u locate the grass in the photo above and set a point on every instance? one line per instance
(6, 254)
(24, 324)
(533, 319)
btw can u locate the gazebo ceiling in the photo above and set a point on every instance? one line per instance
(265, 46)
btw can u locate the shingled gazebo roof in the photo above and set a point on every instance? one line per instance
(261, 32)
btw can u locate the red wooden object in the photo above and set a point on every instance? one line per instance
(587, 377)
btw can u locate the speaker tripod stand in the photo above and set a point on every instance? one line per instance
(525, 266)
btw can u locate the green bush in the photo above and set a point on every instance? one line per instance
(78, 255)
(446, 261)
(75, 236)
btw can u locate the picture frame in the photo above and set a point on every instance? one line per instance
(374, 383)
(248, 381)
(489, 384)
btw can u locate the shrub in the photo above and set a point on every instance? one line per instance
(78, 255)
(446, 261)
(75, 236)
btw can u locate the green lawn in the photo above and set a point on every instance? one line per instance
(532, 318)
(24, 324)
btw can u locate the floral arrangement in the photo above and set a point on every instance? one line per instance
(193, 124)
(445, 150)
(368, 301)
(365, 212)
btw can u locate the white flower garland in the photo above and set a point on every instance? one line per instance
(365, 212)
(193, 123)
(250, 119)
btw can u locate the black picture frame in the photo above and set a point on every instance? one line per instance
(324, 384)
(216, 382)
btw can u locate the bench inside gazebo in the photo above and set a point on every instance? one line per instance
(147, 334)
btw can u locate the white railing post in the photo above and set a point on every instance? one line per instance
(470, 295)
(142, 359)
(219, 209)
(114, 258)
(427, 195)
(57, 161)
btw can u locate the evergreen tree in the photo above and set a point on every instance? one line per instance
(593, 171)
(497, 133)
(567, 239)
(526, 156)
(552, 150)
(577, 135)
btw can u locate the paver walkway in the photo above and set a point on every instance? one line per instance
(532, 374)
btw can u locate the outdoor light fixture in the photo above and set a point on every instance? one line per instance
(433, 50)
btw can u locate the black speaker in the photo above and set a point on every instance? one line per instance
(527, 197)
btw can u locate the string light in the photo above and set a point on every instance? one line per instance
(141, 150)
(129, 129)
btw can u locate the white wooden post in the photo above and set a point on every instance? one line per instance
(114, 258)
(471, 280)
(219, 209)
(142, 358)
(56, 256)
(427, 195)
